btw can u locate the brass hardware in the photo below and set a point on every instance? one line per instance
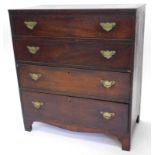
(35, 76)
(30, 24)
(37, 104)
(107, 115)
(33, 49)
(107, 26)
(107, 84)
(107, 54)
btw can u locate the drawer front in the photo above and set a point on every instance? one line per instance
(90, 26)
(78, 53)
(71, 111)
(77, 82)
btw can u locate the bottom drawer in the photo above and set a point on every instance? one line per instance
(77, 112)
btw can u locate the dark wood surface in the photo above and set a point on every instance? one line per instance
(137, 73)
(71, 39)
(82, 26)
(80, 11)
(83, 113)
(75, 53)
(77, 82)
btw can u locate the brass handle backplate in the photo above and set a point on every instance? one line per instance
(107, 26)
(107, 115)
(37, 104)
(33, 49)
(35, 76)
(30, 24)
(107, 53)
(107, 83)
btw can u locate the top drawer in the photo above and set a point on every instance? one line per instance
(108, 26)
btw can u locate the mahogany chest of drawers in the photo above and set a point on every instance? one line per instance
(80, 68)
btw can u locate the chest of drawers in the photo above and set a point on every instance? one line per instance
(80, 68)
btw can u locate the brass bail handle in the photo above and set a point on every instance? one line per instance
(33, 49)
(107, 83)
(30, 24)
(107, 26)
(107, 115)
(35, 76)
(37, 104)
(107, 53)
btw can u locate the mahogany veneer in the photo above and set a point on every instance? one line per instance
(80, 69)
(68, 52)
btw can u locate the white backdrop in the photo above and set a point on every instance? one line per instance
(49, 140)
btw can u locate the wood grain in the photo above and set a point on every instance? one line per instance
(77, 82)
(69, 60)
(83, 113)
(75, 53)
(81, 26)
